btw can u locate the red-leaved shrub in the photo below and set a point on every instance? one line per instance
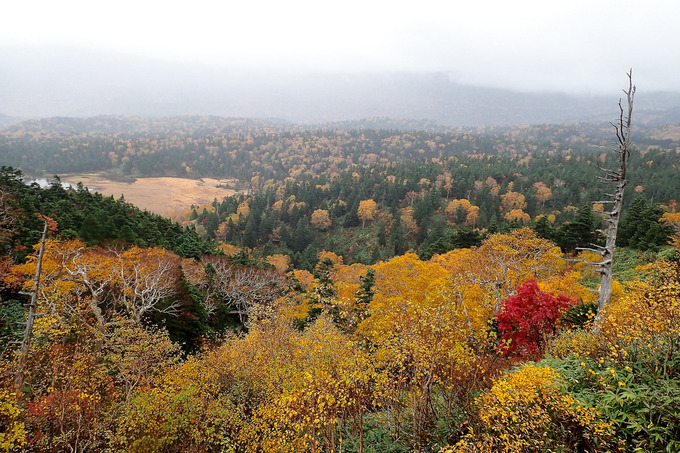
(528, 318)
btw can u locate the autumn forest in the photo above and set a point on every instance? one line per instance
(373, 286)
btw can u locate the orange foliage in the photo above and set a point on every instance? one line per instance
(280, 262)
(517, 214)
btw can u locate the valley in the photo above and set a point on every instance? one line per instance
(166, 196)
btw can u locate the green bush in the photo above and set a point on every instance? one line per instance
(637, 388)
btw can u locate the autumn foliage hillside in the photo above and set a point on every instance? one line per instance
(301, 186)
(348, 302)
(403, 355)
(378, 212)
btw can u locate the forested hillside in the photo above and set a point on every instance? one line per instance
(305, 185)
(379, 211)
(270, 150)
(369, 290)
(94, 219)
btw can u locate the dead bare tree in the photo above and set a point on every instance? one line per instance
(618, 179)
(32, 313)
(147, 278)
(241, 288)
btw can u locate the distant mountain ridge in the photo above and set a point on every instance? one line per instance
(61, 81)
(6, 120)
(141, 125)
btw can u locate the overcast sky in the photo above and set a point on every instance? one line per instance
(575, 46)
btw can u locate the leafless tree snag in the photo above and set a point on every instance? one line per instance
(241, 289)
(32, 312)
(618, 179)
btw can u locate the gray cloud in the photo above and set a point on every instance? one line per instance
(574, 46)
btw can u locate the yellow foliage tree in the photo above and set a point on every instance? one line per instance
(421, 334)
(74, 279)
(140, 356)
(513, 200)
(472, 215)
(543, 194)
(276, 389)
(335, 258)
(243, 210)
(320, 220)
(672, 219)
(506, 260)
(517, 214)
(280, 262)
(113, 287)
(366, 211)
(475, 301)
(400, 283)
(325, 380)
(648, 308)
(347, 281)
(407, 219)
(454, 205)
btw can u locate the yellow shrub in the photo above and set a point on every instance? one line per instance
(12, 432)
(527, 411)
(648, 308)
(583, 343)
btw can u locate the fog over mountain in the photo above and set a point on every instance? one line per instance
(63, 81)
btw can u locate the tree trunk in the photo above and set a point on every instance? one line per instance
(32, 308)
(617, 178)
